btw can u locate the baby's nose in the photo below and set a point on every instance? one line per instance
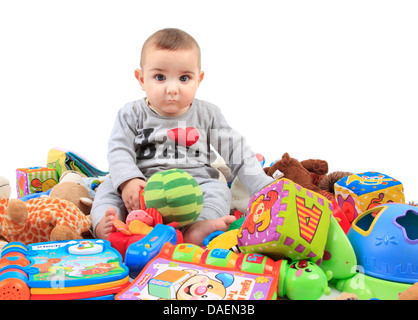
(172, 88)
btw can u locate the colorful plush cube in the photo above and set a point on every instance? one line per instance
(35, 180)
(360, 192)
(285, 220)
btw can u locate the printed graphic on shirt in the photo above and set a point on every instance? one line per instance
(186, 137)
(177, 143)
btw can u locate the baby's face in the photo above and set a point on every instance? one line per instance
(170, 79)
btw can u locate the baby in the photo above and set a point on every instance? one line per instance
(168, 129)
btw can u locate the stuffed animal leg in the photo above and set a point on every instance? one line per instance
(16, 217)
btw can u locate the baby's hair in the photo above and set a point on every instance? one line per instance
(170, 39)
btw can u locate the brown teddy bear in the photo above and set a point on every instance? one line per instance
(311, 174)
(298, 172)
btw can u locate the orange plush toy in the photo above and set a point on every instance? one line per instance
(40, 219)
(299, 172)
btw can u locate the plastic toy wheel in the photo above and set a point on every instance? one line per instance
(14, 289)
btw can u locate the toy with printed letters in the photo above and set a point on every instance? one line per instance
(339, 259)
(188, 272)
(286, 220)
(61, 270)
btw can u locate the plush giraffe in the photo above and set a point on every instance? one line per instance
(39, 219)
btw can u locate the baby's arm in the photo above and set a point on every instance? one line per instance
(122, 149)
(238, 155)
(130, 193)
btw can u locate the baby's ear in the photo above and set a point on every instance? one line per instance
(139, 75)
(201, 76)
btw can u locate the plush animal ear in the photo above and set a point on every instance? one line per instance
(86, 201)
(286, 158)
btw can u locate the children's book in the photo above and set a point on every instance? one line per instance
(74, 263)
(187, 272)
(61, 270)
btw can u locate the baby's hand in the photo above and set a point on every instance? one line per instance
(130, 193)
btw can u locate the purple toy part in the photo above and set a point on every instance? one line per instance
(289, 241)
(270, 232)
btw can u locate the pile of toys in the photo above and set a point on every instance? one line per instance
(298, 237)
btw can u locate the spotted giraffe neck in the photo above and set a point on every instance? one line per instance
(4, 203)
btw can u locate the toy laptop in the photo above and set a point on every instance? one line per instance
(188, 272)
(75, 269)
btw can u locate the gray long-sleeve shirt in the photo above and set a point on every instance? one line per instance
(143, 142)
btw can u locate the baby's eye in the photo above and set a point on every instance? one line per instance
(159, 77)
(184, 78)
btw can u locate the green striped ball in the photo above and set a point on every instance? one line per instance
(176, 195)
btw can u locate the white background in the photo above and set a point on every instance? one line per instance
(335, 80)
